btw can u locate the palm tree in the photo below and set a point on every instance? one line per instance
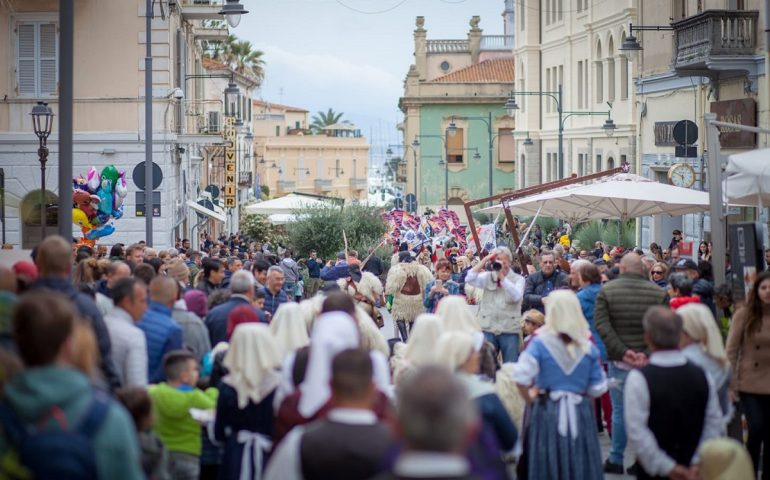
(247, 61)
(324, 119)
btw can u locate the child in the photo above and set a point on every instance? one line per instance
(154, 455)
(259, 299)
(173, 400)
(533, 319)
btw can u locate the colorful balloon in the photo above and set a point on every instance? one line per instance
(100, 232)
(92, 180)
(80, 219)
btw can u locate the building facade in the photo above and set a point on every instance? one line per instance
(290, 158)
(573, 46)
(712, 59)
(108, 109)
(453, 106)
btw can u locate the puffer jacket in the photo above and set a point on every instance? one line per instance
(619, 309)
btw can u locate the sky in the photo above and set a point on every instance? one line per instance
(322, 54)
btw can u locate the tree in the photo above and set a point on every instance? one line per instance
(258, 228)
(320, 229)
(245, 60)
(325, 119)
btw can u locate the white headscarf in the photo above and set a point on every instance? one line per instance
(453, 349)
(563, 315)
(289, 328)
(371, 336)
(456, 316)
(422, 340)
(699, 324)
(253, 360)
(333, 332)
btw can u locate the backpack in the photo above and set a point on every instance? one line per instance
(64, 454)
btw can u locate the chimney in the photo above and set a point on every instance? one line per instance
(421, 48)
(474, 39)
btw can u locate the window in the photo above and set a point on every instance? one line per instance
(214, 124)
(520, 12)
(623, 160)
(580, 84)
(37, 58)
(599, 167)
(522, 170)
(548, 84)
(586, 84)
(506, 146)
(455, 146)
(277, 130)
(610, 163)
(561, 10)
(623, 77)
(297, 124)
(679, 11)
(561, 77)
(548, 171)
(580, 172)
(599, 81)
(337, 168)
(611, 71)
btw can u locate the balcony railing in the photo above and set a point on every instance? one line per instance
(358, 183)
(201, 9)
(322, 185)
(448, 46)
(700, 39)
(497, 42)
(286, 186)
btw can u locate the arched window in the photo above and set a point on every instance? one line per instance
(624, 75)
(599, 90)
(610, 163)
(610, 70)
(31, 231)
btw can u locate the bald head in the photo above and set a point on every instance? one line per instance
(631, 263)
(164, 290)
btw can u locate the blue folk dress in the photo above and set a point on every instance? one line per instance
(560, 441)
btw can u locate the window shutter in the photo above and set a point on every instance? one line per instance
(48, 59)
(25, 71)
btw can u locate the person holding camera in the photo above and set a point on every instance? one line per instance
(500, 305)
(442, 286)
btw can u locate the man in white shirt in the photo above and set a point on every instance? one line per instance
(670, 406)
(500, 306)
(129, 345)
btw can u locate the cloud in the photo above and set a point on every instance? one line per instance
(327, 80)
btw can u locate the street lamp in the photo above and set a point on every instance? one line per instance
(42, 121)
(631, 44)
(232, 10)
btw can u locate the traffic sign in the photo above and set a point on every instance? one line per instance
(685, 132)
(411, 203)
(398, 203)
(138, 176)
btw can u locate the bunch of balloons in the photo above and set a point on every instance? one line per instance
(97, 199)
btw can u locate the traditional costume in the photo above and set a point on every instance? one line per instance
(406, 282)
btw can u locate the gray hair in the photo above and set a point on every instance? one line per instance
(173, 252)
(242, 282)
(503, 251)
(663, 327)
(578, 264)
(275, 268)
(434, 411)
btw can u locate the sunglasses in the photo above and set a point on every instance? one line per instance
(657, 272)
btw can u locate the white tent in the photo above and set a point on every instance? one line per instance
(747, 178)
(621, 196)
(286, 205)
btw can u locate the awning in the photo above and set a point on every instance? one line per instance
(205, 211)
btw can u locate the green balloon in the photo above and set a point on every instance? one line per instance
(111, 173)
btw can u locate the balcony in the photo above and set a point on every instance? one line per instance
(200, 9)
(322, 185)
(286, 186)
(716, 43)
(210, 34)
(357, 183)
(448, 46)
(496, 43)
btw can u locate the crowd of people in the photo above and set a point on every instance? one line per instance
(240, 360)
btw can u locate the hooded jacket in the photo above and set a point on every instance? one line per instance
(290, 270)
(34, 392)
(173, 423)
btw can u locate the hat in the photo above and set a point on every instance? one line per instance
(341, 256)
(405, 257)
(676, 232)
(685, 264)
(196, 302)
(25, 268)
(354, 272)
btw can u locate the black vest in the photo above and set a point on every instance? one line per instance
(678, 399)
(343, 451)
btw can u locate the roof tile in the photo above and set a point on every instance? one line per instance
(496, 70)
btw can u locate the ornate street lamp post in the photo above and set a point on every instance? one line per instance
(42, 121)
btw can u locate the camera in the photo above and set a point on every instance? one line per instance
(497, 266)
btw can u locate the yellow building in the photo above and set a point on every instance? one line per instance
(289, 158)
(109, 51)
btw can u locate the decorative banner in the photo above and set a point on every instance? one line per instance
(231, 182)
(416, 230)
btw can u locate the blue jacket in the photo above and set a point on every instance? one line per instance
(336, 272)
(163, 335)
(216, 320)
(431, 301)
(88, 309)
(587, 297)
(272, 302)
(313, 268)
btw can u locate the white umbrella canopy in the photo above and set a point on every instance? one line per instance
(285, 205)
(622, 196)
(747, 178)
